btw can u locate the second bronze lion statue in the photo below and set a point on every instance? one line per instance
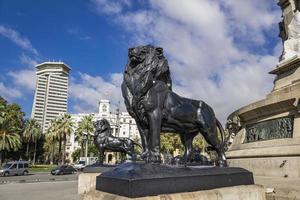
(149, 99)
(104, 140)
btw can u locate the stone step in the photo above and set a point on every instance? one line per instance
(280, 188)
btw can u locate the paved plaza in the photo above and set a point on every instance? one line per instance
(39, 186)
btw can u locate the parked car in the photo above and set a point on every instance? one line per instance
(63, 169)
(15, 168)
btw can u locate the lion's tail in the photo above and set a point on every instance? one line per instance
(221, 129)
(137, 144)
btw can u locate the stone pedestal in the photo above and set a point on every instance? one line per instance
(86, 182)
(87, 179)
(268, 143)
(280, 188)
(142, 179)
(242, 192)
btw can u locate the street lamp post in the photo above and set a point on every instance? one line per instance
(118, 120)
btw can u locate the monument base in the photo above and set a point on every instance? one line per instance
(271, 158)
(277, 166)
(141, 179)
(242, 192)
(86, 182)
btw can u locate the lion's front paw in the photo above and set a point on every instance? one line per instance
(221, 163)
(155, 157)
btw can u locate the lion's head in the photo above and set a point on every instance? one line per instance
(102, 126)
(145, 61)
(144, 55)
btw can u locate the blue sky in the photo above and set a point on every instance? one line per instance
(218, 51)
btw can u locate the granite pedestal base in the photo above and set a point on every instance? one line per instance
(87, 179)
(242, 192)
(140, 179)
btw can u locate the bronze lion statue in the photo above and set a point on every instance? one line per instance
(104, 140)
(149, 99)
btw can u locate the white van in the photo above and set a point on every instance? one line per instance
(15, 168)
(82, 162)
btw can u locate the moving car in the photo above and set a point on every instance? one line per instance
(63, 169)
(15, 168)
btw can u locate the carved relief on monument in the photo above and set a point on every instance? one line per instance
(291, 46)
(268, 130)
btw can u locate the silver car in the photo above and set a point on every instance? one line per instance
(15, 168)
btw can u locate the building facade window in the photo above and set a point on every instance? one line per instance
(104, 108)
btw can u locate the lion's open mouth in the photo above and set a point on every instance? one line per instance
(134, 60)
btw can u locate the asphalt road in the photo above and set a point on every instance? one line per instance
(59, 190)
(37, 177)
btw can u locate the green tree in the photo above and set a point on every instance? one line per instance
(137, 147)
(93, 151)
(57, 134)
(51, 140)
(65, 128)
(169, 142)
(3, 104)
(80, 138)
(84, 131)
(31, 134)
(76, 154)
(199, 142)
(11, 124)
(60, 128)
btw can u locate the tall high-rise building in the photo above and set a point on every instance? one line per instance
(51, 94)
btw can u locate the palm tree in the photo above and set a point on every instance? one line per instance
(11, 124)
(55, 130)
(80, 138)
(84, 131)
(32, 133)
(9, 141)
(65, 128)
(52, 136)
(50, 143)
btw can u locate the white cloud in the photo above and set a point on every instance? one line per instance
(76, 32)
(88, 90)
(25, 79)
(208, 45)
(28, 61)
(15, 37)
(9, 93)
(22, 82)
(110, 7)
(248, 19)
(253, 14)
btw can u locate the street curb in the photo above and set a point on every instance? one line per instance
(36, 181)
